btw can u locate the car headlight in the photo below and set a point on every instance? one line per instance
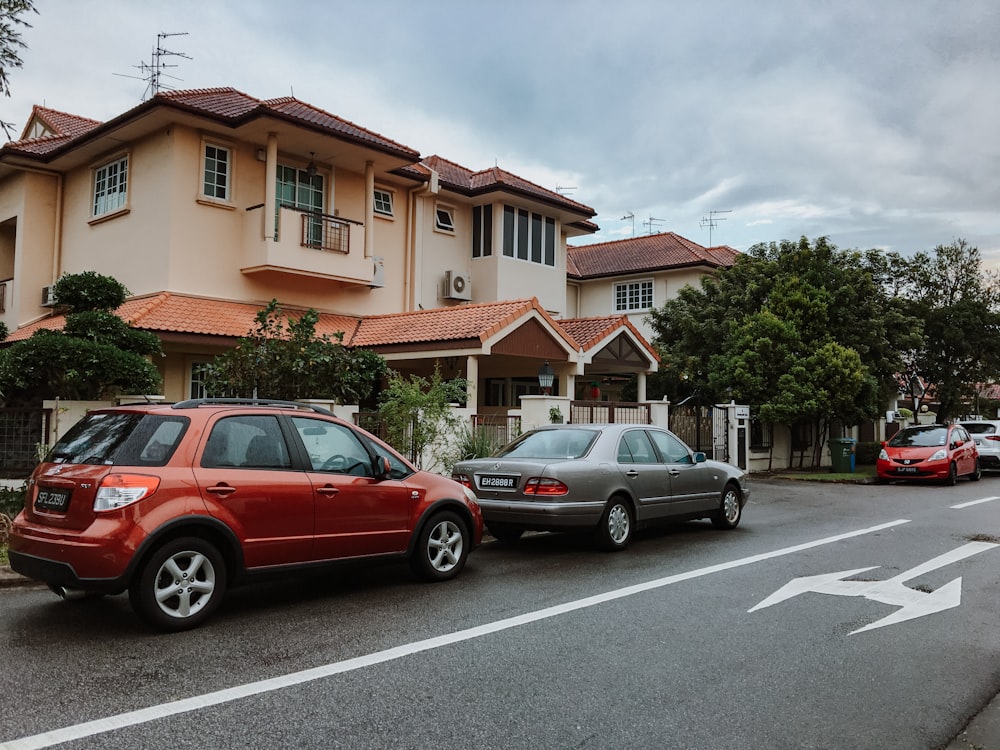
(883, 455)
(940, 455)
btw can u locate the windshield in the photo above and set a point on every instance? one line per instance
(979, 428)
(123, 438)
(551, 444)
(920, 437)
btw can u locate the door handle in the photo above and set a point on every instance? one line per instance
(631, 473)
(674, 472)
(222, 489)
(327, 491)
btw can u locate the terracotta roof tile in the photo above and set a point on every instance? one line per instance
(61, 123)
(640, 254)
(592, 331)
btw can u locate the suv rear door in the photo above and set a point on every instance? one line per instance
(246, 478)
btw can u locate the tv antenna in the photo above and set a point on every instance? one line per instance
(564, 189)
(630, 217)
(649, 223)
(712, 221)
(152, 72)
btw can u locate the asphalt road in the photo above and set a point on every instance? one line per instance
(550, 644)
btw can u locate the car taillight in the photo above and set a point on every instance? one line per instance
(118, 490)
(543, 486)
(995, 438)
(463, 479)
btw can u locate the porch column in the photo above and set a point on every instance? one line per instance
(640, 385)
(369, 209)
(472, 383)
(270, 179)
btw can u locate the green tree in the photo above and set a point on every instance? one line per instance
(283, 357)
(797, 330)
(958, 347)
(95, 356)
(417, 412)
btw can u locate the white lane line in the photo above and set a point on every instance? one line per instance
(162, 711)
(975, 502)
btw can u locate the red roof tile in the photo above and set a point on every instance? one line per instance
(60, 123)
(592, 331)
(653, 252)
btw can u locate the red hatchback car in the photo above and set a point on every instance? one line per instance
(175, 503)
(929, 451)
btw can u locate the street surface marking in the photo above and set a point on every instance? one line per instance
(164, 710)
(975, 502)
(911, 603)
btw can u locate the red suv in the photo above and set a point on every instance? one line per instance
(176, 502)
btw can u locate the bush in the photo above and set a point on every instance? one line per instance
(12, 500)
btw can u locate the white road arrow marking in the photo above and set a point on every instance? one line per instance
(912, 603)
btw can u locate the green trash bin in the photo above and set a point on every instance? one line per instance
(842, 455)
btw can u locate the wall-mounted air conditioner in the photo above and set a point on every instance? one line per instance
(457, 285)
(48, 296)
(378, 274)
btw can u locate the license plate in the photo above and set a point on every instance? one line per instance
(907, 470)
(498, 483)
(52, 500)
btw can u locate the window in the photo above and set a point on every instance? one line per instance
(296, 188)
(634, 295)
(383, 202)
(482, 231)
(528, 236)
(635, 448)
(216, 183)
(333, 447)
(198, 387)
(671, 449)
(444, 218)
(110, 186)
(249, 441)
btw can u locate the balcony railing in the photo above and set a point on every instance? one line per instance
(325, 232)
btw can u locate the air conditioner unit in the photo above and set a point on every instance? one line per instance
(48, 296)
(457, 285)
(378, 273)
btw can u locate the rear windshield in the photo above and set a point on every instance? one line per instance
(551, 444)
(923, 437)
(979, 428)
(122, 439)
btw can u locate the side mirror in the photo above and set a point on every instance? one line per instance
(383, 468)
(699, 457)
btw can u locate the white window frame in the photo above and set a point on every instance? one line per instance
(109, 187)
(196, 383)
(443, 211)
(227, 198)
(625, 300)
(383, 202)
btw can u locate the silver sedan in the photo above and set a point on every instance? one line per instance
(605, 478)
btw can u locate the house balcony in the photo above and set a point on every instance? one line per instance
(307, 243)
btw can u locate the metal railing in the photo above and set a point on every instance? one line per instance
(501, 428)
(22, 431)
(609, 412)
(325, 232)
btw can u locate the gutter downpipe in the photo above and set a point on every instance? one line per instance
(431, 187)
(369, 209)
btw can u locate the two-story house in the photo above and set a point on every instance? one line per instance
(209, 203)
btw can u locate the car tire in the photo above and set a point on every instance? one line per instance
(952, 478)
(179, 585)
(442, 548)
(977, 474)
(504, 533)
(730, 509)
(614, 531)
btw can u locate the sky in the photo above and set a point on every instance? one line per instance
(874, 123)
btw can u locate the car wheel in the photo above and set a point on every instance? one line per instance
(503, 533)
(614, 531)
(977, 474)
(730, 511)
(441, 548)
(952, 479)
(180, 585)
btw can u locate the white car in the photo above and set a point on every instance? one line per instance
(986, 433)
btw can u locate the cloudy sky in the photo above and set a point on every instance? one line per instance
(873, 122)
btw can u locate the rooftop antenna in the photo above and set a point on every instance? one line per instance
(152, 72)
(564, 190)
(712, 221)
(649, 223)
(630, 217)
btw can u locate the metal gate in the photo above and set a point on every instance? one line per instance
(704, 427)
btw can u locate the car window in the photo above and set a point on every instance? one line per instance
(961, 434)
(920, 437)
(672, 449)
(634, 448)
(397, 468)
(980, 428)
(250, 442)
(568, 443)
(124, 438)
(333, 447)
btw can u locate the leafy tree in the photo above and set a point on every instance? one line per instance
(95, 356)
(958, 346)
(800, 331)
(417, 412)
(282, 357)
(11, 43)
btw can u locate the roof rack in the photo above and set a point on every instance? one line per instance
(194, 403)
